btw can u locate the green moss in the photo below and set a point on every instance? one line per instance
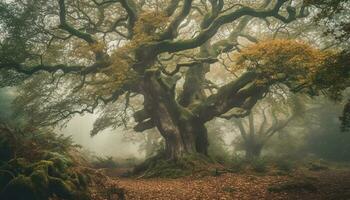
(42, 172)
(60, 161)
(62, 189)
(6, 150)
(20, 188)
(44, 165)
(187, 165)
(5, 178)
(259, 165)
(40, 178)
(237, 163)
(18, 165)
(83, 180)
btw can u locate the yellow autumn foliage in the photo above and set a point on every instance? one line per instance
(145, 30)
(273, 59)
(146, 26)
(83, 50)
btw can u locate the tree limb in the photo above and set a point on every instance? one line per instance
(70, 29)
(204, 35)
(242, 93)
(171, 31)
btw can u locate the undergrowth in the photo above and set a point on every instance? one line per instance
(37, 164)
(188, 165)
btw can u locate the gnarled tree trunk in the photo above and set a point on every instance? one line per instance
(182, 131)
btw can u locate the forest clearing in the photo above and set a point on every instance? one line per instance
(324, 185)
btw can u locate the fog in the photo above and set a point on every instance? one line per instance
(318, 131)
(106, 143)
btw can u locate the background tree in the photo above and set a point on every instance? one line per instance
(268, 118)
(324, 137)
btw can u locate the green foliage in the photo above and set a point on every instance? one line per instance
(31, 143)
(19, 188)
(334, 77)
(237, 163)
(37, 165)
(18, 21)
(259, 164)
(284, 165)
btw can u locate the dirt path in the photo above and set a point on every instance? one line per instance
(329, 184)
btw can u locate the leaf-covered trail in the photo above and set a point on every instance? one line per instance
(329, 185)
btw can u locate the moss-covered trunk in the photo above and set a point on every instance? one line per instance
(182, 131)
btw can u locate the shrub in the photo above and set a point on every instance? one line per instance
(237, 163)
(259, 164)
(40, 164)
(284, 165)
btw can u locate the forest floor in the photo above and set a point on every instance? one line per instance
(300, 184)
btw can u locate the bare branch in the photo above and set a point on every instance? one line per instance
(189, 64)
(171, 31)
(64, 25)
(204, 35)
(132, 10)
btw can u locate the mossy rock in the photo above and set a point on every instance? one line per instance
(60, 161)
(18, 165)
(19, 188)
(5, 178)
(40, 179)
(6, 150)
(44, 165)
(63, 189)
(66, 189)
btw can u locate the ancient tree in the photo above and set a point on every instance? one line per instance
(123, 57)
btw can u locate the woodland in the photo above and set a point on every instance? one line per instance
(225, 99)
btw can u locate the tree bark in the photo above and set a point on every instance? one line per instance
(182, 131)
